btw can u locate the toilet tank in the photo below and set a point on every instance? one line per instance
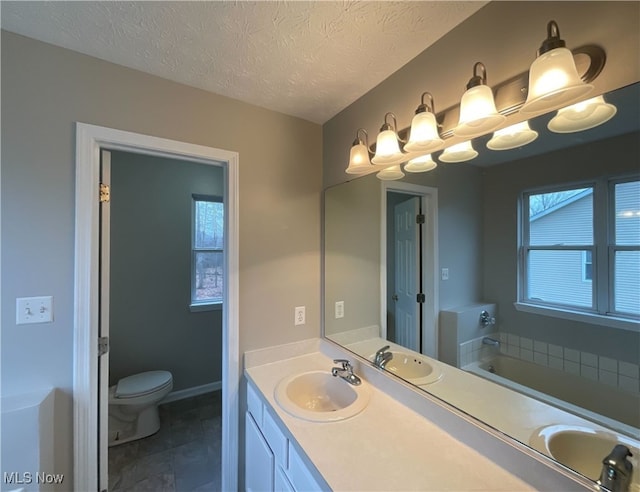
(27, 442)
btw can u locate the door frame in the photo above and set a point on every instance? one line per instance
(89, 140)
(429, 253)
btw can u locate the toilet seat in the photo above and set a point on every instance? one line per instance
(142, 384)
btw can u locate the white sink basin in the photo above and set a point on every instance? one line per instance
(412, 368)
(582, 449)
(318, 396)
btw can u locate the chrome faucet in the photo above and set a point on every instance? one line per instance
(486, 319)
(382, 357)
(345, 372)
(491, 341)
(616, 470)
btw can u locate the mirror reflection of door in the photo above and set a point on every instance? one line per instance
(404, 320)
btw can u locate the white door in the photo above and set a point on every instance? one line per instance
(407, 273)
(103, 332)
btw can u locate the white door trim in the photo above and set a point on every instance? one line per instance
(429, 198)
(89, 140)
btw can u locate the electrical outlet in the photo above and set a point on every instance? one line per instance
(339, 309)
(445, 274)
(299, 315)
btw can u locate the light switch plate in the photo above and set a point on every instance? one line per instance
(339, 309)
(34, 310)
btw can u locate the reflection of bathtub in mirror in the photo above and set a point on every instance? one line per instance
(592, 400)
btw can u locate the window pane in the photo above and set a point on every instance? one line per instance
(209, 225)
(628, 213)
(558, 277)
(627, 282)
(561, 218)
(208, 281)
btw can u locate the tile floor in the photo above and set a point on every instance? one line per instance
(183, 456)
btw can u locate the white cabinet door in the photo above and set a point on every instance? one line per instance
(259, 463)
(281, 482)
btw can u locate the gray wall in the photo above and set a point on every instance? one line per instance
(45, 90)
(151, 326)
(502, 185)
(352, 226)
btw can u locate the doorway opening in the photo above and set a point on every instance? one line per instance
(90, 399)
(409, 296)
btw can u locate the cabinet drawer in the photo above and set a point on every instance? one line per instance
(276, 439)
(254, 404)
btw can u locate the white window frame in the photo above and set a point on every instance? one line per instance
(603, 257)
(209, 304)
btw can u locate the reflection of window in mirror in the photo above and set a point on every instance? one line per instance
(568, 260)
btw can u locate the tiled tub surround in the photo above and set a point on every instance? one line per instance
(406, 439)
(621, 374)
(600, 389)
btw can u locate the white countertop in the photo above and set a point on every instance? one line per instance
(388, 446)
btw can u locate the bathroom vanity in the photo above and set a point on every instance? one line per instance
(401, 438)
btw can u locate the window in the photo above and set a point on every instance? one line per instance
(207, 275)
(580, 248)
(587, 266)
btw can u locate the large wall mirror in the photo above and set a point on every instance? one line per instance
(447, 292)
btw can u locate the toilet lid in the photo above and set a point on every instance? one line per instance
(141, 384)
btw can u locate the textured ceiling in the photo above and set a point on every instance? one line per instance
(307, 59)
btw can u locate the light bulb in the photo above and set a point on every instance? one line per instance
(512, 136)
(582, 116)
(424, 136)
(387, 149)
(553, 77)
(478, 113)
(459, 152)
(391, 173)
(420, 164)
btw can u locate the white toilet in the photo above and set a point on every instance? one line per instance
(133, 405)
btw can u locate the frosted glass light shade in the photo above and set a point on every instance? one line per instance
(459, 152)
(582, 116)
(478, 113)
(390, 173)
(512, 136)
(424, 135)
(554, 81)
(387, 149)
(359, 159)
(420, 164)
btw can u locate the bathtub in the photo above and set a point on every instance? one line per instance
(28, 443)
(602, 404)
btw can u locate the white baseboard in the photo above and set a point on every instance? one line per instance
(189, 392)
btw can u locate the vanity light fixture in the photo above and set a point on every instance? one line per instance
(553, 77)
(388, 150)
(359, 162)
(420, 164)
(459, 152)
(478, 113)
(553, 81)
(512, 137)
(391, 173)
(582, 116)
(423, 136)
